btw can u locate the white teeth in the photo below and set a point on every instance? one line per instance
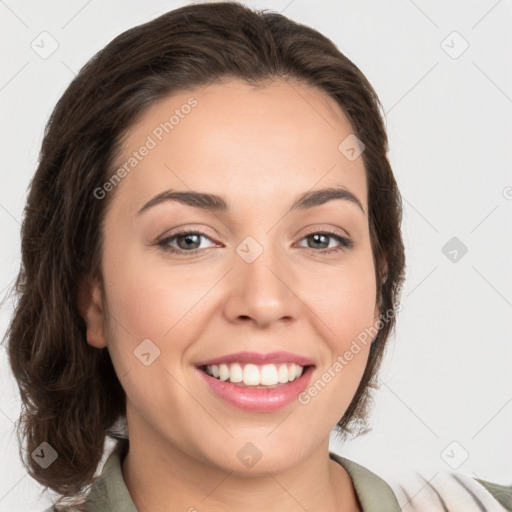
(282, 374)
(254, 375)
(236, 374)
(269, 375)
(223, 372)
(251, 375)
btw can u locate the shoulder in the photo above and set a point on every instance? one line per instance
(450, 491)
(108, 490)
(503, 493)
(414, 492)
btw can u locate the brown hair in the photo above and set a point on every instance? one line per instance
(70, 393)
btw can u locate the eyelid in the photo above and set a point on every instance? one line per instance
(199, 229)
(328, 229)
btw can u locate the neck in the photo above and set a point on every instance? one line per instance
(161, 480)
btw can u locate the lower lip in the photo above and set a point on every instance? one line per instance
(259, 399)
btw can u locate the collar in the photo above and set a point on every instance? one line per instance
(374, 494)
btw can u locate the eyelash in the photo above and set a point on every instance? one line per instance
(345, 243)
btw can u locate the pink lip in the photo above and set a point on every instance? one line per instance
(258, 358)
(259, 399)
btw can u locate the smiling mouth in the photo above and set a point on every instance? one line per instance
(253, 375)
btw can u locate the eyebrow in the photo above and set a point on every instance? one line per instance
(216, 203)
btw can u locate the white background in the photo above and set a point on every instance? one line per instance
(447, 373)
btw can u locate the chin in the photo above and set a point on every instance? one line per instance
(258, 458)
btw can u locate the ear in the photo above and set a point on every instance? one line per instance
(90, 306)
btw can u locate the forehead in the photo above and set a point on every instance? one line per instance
(235, 139)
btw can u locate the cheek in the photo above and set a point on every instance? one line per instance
(346, 309)
(345, 301)
(146, 301)
(345, 305)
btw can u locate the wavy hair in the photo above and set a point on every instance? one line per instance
(71, 396)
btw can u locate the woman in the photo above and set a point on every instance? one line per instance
(212, 262)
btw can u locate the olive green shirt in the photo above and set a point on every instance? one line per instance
(109, 492)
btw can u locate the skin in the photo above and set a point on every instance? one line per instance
(260, 149)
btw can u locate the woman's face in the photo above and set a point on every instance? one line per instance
(255, 286)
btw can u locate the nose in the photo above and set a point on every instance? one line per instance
(263, 291)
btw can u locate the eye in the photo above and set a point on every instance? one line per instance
(187, 242)
(321, 238)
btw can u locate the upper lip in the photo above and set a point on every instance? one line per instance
(259, 358)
